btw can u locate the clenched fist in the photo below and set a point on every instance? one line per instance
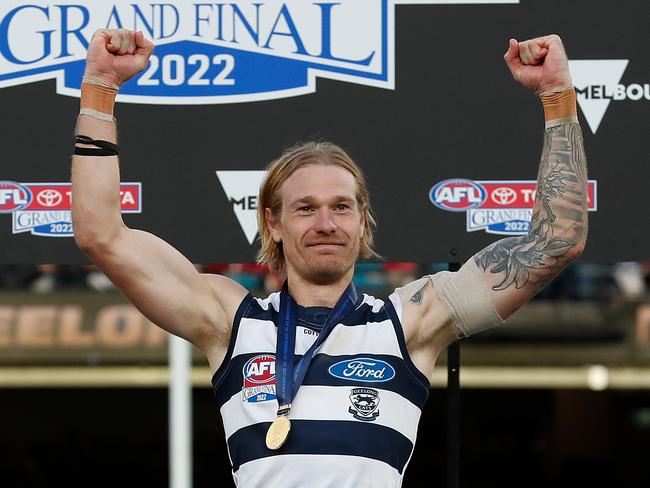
(539, 64)
(117, 55)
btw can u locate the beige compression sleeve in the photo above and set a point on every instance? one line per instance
(466, 297)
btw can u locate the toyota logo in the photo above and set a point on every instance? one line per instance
(503, 195)
(49, 198)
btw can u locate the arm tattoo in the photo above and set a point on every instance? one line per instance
(559, 221)
(417, 297)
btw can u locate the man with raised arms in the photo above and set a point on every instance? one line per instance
(318, 385)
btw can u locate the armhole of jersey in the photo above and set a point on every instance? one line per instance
(223, 369)
(416, 374)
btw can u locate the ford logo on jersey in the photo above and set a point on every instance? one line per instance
(363, 369)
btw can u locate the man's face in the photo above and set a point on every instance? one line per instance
(320, 225)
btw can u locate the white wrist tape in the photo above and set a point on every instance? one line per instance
(93, 81)
(96, 114)
(466, 297)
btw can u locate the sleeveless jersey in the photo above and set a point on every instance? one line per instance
(354, 419)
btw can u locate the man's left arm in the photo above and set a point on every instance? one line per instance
(505, 275)
(516, 268)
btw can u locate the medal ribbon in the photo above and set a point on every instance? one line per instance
(289, 377)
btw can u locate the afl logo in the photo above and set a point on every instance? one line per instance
(13, 196)
(259, 370)
(457, 195)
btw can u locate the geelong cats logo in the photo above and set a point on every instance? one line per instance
(364, 404)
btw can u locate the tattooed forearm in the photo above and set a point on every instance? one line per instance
(559, 224)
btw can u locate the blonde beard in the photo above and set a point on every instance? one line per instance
(325, 275)
(327, 272)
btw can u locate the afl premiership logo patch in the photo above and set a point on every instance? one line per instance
(364, 404)
(362, 369)
(259, 379)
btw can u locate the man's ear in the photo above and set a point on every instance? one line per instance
(273, 225)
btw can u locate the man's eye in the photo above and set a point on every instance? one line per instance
(342, 206)
(305, 209)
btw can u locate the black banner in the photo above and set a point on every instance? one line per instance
(454, 114)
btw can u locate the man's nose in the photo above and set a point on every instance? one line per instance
(324, 221)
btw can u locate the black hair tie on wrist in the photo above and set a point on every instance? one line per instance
(102, 148)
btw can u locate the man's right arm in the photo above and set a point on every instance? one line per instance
(153, 275)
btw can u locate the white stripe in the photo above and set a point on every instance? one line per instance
(375, 303)
(370, 338)
(317, 471)
(323, 403)
(397, 303)
(255, 336)
(259, 336)
(272, 300)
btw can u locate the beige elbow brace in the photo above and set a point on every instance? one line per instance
(466, 297)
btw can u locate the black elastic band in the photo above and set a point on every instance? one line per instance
(91, 151)
(104, 148)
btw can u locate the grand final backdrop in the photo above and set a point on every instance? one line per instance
(417, 92)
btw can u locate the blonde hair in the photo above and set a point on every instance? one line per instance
(278, 171)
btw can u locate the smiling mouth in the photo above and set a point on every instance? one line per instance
(325, 244)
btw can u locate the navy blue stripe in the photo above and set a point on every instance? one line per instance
(402, 383)
(364, 315)
(354, 438)
(416, 374)
(222, 371)
(318, 374)
(257, 312)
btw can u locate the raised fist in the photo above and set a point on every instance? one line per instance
(117, 55)
(539, 64)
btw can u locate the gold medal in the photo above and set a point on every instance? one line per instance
(278, 432)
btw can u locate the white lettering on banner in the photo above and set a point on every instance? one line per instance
(597, 83)
(209, 52)
(457, 194)
(12, 195)
(528, 194)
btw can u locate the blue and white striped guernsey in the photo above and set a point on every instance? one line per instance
(353, 421)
